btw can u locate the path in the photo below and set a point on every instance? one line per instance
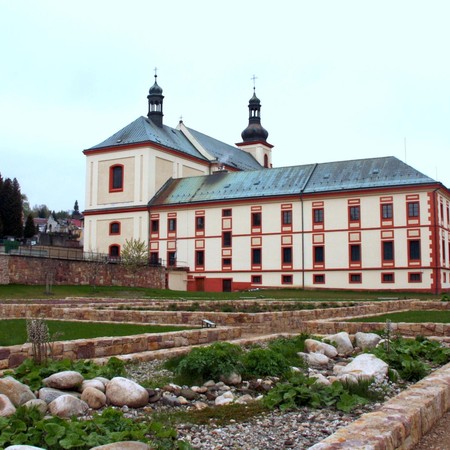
(439, 436)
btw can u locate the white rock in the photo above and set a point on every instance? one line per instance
(245, 400)
(49, 394)
(367, 340)
(95, 398)
(68, 379)
(233, 379)
(314, 359)
(122, 391)
(366, 366)
(320, 379)
(23, 447)
(182, 400)
(200, 405)
(16, 391)
(224, 399)
(97, 384)
(126, 445)
(67, 406)
(7, 407)
(343, 343)
(40, 405)
(314, 346)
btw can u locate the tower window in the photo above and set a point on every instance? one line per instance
(116, 178)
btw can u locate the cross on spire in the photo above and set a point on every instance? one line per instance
(254, 78)
(156, 72)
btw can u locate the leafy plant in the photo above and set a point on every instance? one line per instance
(289, 347)
(261, 362)
(205, 363)
(300, 390)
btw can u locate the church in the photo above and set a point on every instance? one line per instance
(221, 218)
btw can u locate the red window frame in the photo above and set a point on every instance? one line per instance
(256, 279)
(114, 251)
(171, 224)
(113, 225)
(354, 253)
(286, 217)
(318, 215)
(287, 255)
(116, 185)
(227, 239)
(413, 209)
(315, 254)
(383, 251)
(200, 223)
(154, 226)
(414, 277)
(199, 259)
(355, 278)
(319, 278)
(287, 279)
(385, 275)
(414, 258)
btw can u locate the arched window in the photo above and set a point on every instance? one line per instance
(114, 251)
(116, 178)
(114, 228)
(266, 161)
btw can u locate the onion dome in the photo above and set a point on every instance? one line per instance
(254, 131)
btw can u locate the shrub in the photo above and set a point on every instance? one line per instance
(205, 363)
(260, 362)
(289, 347)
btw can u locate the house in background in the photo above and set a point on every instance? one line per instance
(235, 222)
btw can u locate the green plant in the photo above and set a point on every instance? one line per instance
(445, 298)
(300, 390)
(28, 427)
(204, 363)
(289, 347)
(261, 362)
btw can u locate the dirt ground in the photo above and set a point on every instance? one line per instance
(438, 438)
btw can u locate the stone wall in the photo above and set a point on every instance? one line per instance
(13, 356)
(34, 271)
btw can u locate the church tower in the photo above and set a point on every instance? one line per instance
(254, 137)
(155, 104)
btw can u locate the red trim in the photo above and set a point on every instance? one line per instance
(109, 251)
(111, 233)
(350, 275)
(412, 220)
(354, 223)
(286, 265)
(256, 229)
(354, 264)
(318, 275)
(228, 266)
(111, 177)
(383, 281)
(154, 234)
(418, 274)
(387, 222)
(318, 264)
(291, 281)
(99, 212)
(254, 278)
(199, 267)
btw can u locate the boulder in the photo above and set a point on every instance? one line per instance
(97, 384)
(121, 391)
(40, 405)
(200, 405)
(233, 379)
(7, 407)
(245, 400)
(67, 406)
(365, 366)
(224, 399)
(343, 343)
(68, 379)
(23, 447)
(367, 340)
(126, 445)
(314, 346)
(320, 379)
(16, 391)
(314, 359)
(95, 398)
(49, 394)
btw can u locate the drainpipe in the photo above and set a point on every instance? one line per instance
(436, 241)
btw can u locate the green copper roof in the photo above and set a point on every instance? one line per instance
(286, 181)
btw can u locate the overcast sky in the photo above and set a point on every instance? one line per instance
(337, 80)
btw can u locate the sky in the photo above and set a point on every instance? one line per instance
(337, 80)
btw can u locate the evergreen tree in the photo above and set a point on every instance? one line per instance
(76, 209)
(1, 203)
(11, 208)
(30, 230)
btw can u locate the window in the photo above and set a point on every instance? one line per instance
(226, 239)
(200, 223)
(386, 211)
(287, 255)
(415, 277)
(114, 251)
(154, 259)
(414, 250)
(319, 278)
(355, 278)
(116, 178)
(319, 254)
(287, 217)
(256, 279)
(286, 279)
(226, 212)
(114, 228)
(172, 225)
(226, 262)
(256, 219)
(318, 215)
(266, 161)
(388, 250)
(354, 213)
(171, 259)
(154, 226)
(256, 256)
(199, 258)
(355, 253)
(413, 209)
(387, 277)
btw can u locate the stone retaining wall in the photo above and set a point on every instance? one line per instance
(13, 356)
(401, 422)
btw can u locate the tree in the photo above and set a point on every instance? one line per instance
(76, 209)
(41, 211)
(29, 230)
(11, 208)
(134, 255)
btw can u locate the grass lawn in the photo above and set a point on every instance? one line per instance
(410, 317)
(14, 331)
(16, 292)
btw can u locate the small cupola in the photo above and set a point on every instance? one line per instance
(155, 104)
(254, 131)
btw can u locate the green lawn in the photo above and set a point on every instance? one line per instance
(16, 292)
(410, 317)
(14, 331)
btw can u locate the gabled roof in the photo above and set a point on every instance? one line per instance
(143, 130)
(285, 181)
